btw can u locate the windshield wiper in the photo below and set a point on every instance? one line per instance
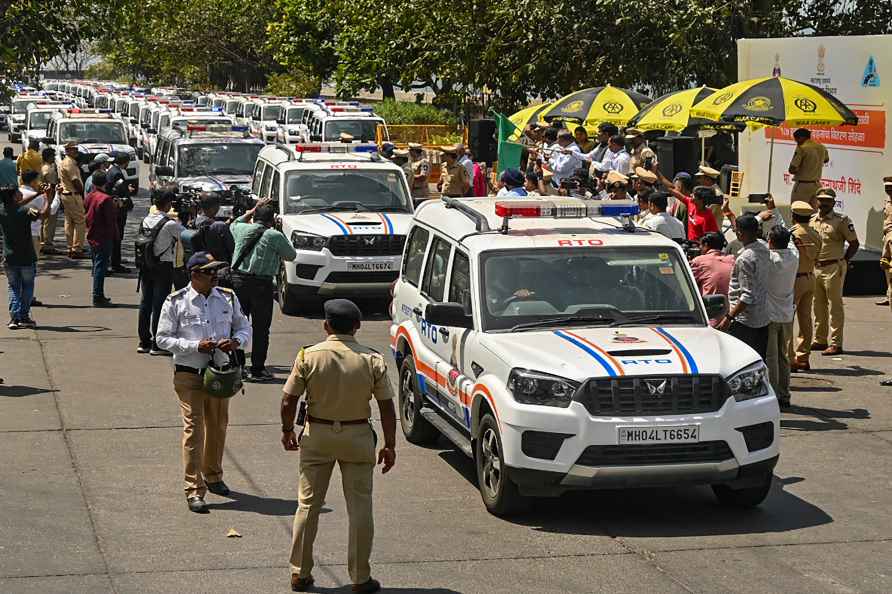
(320, 209)
(575, 319)
(665, 317)
(231, 172)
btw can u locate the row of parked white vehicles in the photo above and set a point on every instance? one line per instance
(557, 347)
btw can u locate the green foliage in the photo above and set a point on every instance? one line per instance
(398, 112)
(294, 84)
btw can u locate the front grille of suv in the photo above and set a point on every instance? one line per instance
(653, 395)
(655, 454)
(367, 245)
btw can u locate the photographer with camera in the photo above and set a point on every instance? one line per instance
(121, 191)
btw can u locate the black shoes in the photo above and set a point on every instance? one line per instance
(259, 376)
(102, 302)
(197, 505)
(367, 587)
(218, 488)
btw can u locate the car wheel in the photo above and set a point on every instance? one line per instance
(415, 427)
(500, 495)
(747, 497)
(288, 301)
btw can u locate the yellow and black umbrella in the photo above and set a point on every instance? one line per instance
(527, 116)
(672, 112)
(772, 101)
(598, 104)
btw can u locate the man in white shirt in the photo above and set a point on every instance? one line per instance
(157, 283)
(33, 193)
(781, 309)
(566, 158)
(615, 159)
(660, 220)
(465, 161)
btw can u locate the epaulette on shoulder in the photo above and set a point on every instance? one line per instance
(179, 293)
(226, 289)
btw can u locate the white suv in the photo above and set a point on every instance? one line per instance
(564, 350)
(346, 213)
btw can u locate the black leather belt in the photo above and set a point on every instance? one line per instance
(313, 419)
(187, 369)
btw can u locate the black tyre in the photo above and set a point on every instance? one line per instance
(500, 495)
(415, 427)
(289, 300)
(747, 497)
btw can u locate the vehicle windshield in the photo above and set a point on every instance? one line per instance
(237, 158)
(217, 103)
(271, 113)
(134, 110)
(106, 132)
(361, 129)
(369, 190)
(232, 107)
(295, 115)
(102, 102)
(597, 286)
(21, 105)
(164, 122)
(39, 120)
(121, 106)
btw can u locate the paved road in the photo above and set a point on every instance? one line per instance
(92, 503)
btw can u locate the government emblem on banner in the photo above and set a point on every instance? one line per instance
(871, 76)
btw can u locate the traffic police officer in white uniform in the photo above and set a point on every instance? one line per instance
(197, 321)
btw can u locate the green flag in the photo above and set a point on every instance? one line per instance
(509, 152)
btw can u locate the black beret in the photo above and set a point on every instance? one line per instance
(342, 309)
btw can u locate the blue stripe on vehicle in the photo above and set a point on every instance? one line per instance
(681, 347)
(389, 223)
(344, 229)
(422, 383)
(610, 371)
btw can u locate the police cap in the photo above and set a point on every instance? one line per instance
(802, 208)
(203, 261)
(826, 194)
(342, 311)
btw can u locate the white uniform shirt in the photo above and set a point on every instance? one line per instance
(781, 278)
(618, 161)
(665, 224)
(166, 242)
(565, 164)
(188, 317)
(37, 204)
(468, 164)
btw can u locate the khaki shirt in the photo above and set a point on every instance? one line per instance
(887, 217)
(339, 377)
(29, 161)
(49, 174)
(420, 188)
(455, 179)
(808, 161)
(638, 157)
(808, 242)
(835, 230)
(68, 172)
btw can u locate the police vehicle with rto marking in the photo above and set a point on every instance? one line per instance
(562, 348)
(345, 210)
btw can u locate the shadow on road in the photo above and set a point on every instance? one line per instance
(823, 419)
(659, 512)
(850, 371)
(80, 328)
(17, 391)
(385, 588)
(868, 353)
(265, 506)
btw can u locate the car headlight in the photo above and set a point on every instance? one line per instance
(293, 132)
(750, 382)
(533, 387)
(308, 241)
(272, 128)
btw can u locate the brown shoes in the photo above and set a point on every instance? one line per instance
(832, 350)
(367, 587)
(817, 346)
(799, 366)
(299, 584)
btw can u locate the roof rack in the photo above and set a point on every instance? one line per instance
(479, 219)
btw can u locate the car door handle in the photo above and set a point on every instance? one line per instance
(444, 333)
(417, 311)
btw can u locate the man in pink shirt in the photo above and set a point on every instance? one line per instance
(712, 268)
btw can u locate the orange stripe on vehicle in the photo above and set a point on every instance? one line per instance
(608, 356)
(486, 394)
(684, 362)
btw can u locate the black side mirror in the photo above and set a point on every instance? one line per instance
(716, 305)
(164, 171)
(448, 314)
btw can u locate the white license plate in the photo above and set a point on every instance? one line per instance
(661, 434)
(369, 266)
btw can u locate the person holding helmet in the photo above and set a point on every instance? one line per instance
(195, 346)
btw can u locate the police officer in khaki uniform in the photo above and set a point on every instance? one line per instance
(808, 242)
(421, 170)
(73, 202)
(886, 258)
(340, 377)
(830, 272)
(454, 180)
(640, 152)
(807, 167)
(401, 158)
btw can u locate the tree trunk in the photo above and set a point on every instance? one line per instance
(387, 89)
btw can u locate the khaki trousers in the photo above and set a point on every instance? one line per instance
(829, 311)
(803, 296)
(889, 286)
(75, 225)
(805, 191)
(205, 419)
(48, 231)
(778, 358)
(353, 448)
